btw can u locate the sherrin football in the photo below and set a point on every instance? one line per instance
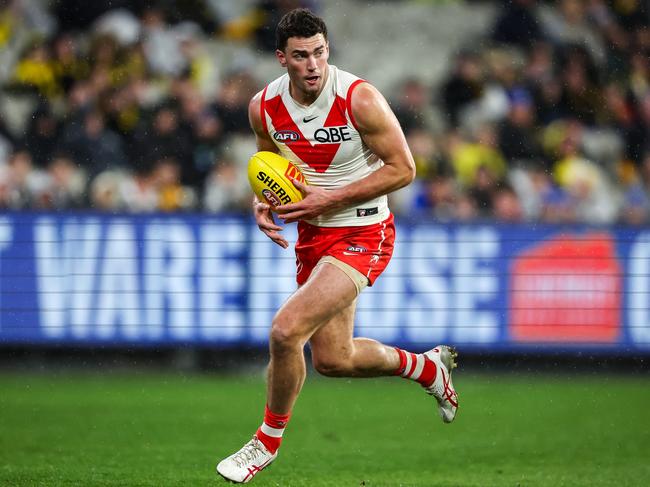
(270, 174)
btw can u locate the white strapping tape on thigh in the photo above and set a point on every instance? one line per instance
(358, 279)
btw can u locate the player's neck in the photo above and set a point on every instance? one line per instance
(307, 99)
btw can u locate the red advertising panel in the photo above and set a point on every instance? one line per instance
(567, 289)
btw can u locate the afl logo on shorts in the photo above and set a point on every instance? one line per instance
(286, 136)
(356, 248)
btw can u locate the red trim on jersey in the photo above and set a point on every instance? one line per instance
(317, 156)
(263, 110)
(348, 101)
(336, 116)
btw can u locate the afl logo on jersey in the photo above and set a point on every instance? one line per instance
(286, 136)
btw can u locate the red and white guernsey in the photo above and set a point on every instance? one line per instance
(323, 142)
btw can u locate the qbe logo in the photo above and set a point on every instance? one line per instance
(333, 134)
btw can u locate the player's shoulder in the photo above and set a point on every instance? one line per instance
(368, 107)
(344, 80)
(366, 95)
(276, 87)
(269, 91)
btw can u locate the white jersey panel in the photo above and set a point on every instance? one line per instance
(323, 142)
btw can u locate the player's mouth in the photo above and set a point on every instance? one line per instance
(312, 80)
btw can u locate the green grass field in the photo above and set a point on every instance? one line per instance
(169, 430)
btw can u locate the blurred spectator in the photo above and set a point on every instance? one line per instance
(437, 195)
(66, 186)
(466, 209)
(427, 155)
(465, 85)
(517, 134)
(162, 44)
(482, 190)
(232, 102)
(164, 137)
(226, 188)
(506, 204)
(635, 207)
(581, 98)
(480, 156)
(79, 14)
(548, 94)
(172, 196)
(7, 142)
(35, 71)
(94, 147)
(20, 183)
(67, 65)
(137, 192)
(568, 25)
(595, 199)
(207, 135)
(267, 15)
(42, 137)
(518, 24)
(413, 109)
(105, 191)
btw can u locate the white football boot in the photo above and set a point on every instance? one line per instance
(242, 466)
(442, 389)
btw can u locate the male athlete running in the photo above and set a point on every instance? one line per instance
(341, 133)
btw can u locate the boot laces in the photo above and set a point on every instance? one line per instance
(250, 452)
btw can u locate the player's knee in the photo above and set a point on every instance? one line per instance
(285, 333)
(330, 366)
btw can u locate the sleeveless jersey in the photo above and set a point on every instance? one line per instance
(323, 142)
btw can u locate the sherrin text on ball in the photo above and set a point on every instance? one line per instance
(270, 175)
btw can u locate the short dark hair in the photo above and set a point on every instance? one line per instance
(300, 22)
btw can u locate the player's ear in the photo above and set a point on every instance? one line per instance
(281, 57)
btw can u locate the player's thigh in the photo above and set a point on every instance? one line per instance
(333, 342)
(327, 292)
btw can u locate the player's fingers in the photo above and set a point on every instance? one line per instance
(283, 209)
(293, 216)
(301, 186)
(278, 239)
(269, 226)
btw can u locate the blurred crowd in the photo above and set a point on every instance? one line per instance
(545, 118)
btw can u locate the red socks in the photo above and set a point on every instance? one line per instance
(416, 367)
(271, 430)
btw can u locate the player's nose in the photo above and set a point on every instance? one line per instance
(311, 63)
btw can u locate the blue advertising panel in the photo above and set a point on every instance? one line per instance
(89, 279)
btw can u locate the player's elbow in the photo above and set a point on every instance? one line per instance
(406, 173)
(410, 172)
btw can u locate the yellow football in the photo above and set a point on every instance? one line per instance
(270, 174)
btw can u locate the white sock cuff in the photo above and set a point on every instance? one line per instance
(272, 432)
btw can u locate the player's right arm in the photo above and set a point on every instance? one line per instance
(262, 211)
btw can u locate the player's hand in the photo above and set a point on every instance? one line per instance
(265, 222)
(315, 202)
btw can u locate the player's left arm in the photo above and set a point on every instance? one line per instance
(381, 132)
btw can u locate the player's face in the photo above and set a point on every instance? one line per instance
(306, 61)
